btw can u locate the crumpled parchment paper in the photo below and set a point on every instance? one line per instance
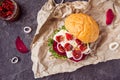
(52, 15)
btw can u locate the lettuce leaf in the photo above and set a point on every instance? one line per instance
(50, 44)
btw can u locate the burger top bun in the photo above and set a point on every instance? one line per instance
(82, 27)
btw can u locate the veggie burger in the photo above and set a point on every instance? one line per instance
(72, 41)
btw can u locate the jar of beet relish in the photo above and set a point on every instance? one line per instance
(9, 10)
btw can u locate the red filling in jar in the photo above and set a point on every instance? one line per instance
(9, 10)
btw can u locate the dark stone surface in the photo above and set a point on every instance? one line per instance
(22, 70)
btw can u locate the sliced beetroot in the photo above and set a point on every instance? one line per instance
(56, 49)
(60, 48)
(109, 16)
(21, 47)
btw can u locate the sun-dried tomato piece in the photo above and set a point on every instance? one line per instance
(9, 13)
(1, 8)
(59, 38)
(68, 47)
(7, 8)
(73, 59)
(83, 47)
(77, 54)
(69, 36)
(78, 41)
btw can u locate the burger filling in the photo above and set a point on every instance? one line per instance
(64, 45)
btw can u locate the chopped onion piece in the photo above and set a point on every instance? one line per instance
(113, 46)
(14, 60)
(69, 54)
(118, 36)
(59, 2)
(27, 29)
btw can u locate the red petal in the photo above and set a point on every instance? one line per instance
(21, 46)
(109, 16)
(69, 36)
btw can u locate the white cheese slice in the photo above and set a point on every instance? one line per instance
(73, 43)
(63, 43)
(69, 54)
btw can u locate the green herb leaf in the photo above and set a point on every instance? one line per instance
(55, 54)
(50, 44)
(63, 27)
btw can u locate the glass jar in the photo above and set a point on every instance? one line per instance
(9, 10)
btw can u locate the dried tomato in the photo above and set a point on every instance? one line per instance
(6, 8)
(69, 36)
(78, 41)
(59, 38)
(68, 47)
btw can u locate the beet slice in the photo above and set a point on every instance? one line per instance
(21, 47)
(60, 48)
(56, 50)
(109, 16)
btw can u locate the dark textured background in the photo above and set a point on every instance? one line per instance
(22, 70)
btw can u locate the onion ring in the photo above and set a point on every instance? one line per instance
(14, 60)
(113, 46)
(27, 29)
